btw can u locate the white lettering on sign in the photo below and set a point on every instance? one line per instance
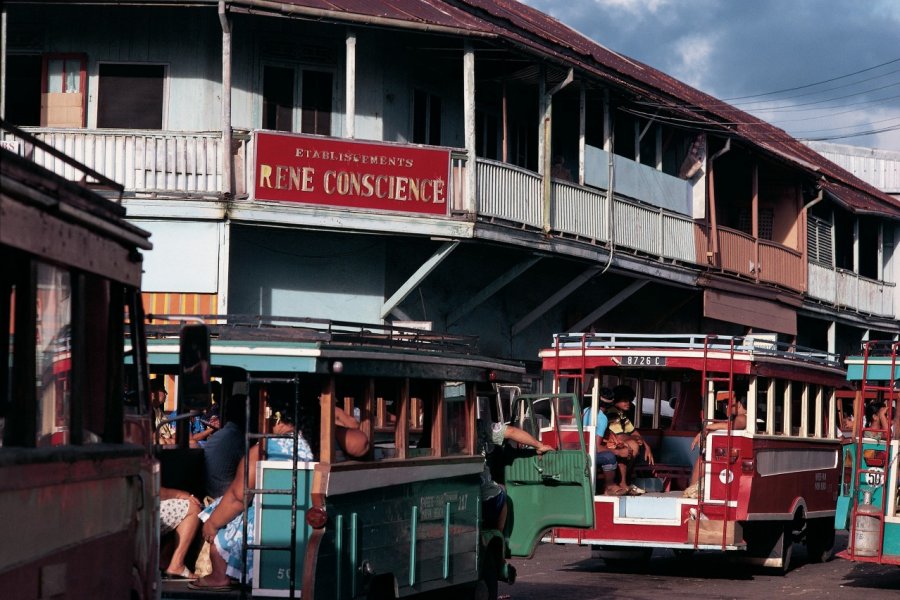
(641, 361)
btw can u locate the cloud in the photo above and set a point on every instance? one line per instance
(692, 60)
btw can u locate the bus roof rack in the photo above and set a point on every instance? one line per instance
(758, 345)
(312, 330)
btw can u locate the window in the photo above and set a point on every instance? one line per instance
(278, 98)
(456, 419)
(315, 110)
(818, 240)
(62, 90)
(53, 357)
(426, 118)
(487, 135)
(23, 89)
(131, 96)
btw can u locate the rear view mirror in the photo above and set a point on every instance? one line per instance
(193, 365)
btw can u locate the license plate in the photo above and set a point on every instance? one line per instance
(641, 361)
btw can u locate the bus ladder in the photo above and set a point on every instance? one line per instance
(557, 372)
(711, 375)
(250, 494)
(873, 389)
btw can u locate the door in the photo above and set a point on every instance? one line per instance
(553, 490)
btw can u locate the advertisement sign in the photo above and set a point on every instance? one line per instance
(364, 175)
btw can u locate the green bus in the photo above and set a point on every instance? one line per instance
(867, 506)
(405, 519)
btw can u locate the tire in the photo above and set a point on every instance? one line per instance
(381, 588)
(787, 549)
(820, 540)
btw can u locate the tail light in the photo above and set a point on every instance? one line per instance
(316, 517)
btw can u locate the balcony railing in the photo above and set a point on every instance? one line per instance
(759, 260)
(515, 195)
(190, 164)
(142, 161)
(846, 289)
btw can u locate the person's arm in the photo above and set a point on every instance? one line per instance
(232, 503)
(342, 419)
(523, 437)
(740, 422)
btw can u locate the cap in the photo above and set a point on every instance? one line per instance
(606, 395)
(623, 393)
(158, 384)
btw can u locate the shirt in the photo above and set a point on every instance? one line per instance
(619, 423)
(490, 435)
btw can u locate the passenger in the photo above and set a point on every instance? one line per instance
(349, 436)
(164, 432)
(224, 450)
(876, 416)
(223, 519)
(178, 512)
(608, 446)
(738, 418)
(627, 436)
(494, 508)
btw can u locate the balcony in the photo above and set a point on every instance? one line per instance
(845, 289)
(758, 260)
(145, 162)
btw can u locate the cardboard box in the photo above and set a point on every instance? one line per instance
(62, 110)
(711, 532)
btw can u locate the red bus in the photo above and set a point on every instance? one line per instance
(78, 481)
(761, 488)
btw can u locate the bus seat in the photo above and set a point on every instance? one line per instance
(673, 457)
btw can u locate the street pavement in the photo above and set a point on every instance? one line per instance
(568, 572)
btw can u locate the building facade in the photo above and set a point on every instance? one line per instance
(471, 166)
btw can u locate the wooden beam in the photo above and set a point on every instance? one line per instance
(416, 278)
(489, 290)
(610, 304)
(557, 297)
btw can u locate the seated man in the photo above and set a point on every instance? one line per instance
(628, 436)
(609, 449)
(738, 418)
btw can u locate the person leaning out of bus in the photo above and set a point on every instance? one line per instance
(493, 496)
(738, 418)
(629, 437)
(609, 448)
(223, 519)
(178, 512)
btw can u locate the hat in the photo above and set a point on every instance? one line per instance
(158, 384)
(606, 395)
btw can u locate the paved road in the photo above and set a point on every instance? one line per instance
(569, 573)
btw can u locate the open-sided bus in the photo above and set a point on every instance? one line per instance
(760, 489)
(405, 519)
(78, 483)
(869, 501)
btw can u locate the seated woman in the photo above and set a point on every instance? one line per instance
(223, 519)
(738, 418)
(178, 512)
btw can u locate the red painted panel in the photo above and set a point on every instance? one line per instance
(332, 172)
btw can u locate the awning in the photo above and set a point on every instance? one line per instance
(758, 313)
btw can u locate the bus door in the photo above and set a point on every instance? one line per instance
(552, 490)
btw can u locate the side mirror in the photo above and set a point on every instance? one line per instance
(194, 367)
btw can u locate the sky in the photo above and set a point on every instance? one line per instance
(823, 70)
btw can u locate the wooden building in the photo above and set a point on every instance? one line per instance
(474, 166)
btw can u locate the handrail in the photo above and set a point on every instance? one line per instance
(753, 345)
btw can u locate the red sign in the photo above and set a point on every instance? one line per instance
(326, 171)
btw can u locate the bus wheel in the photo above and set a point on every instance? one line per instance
(820, 540)
(381, 588)
(787, 549)
(486, 586)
